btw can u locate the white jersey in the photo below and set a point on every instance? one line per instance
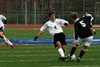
(54, 27)
(1, 21)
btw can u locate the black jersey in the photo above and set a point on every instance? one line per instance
(89, 18)
(82, 28)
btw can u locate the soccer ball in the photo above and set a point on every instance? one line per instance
(73, 57)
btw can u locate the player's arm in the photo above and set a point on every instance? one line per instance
(43, 28)
(35, 38)
(93, 31)
(75, 34)
(5, 21)
(64, 22)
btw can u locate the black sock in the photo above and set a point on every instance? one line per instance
(72, 51)
(81, 53)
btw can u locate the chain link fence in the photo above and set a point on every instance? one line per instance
(36, 11)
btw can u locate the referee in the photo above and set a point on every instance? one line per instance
(55, 29)
(83, 35)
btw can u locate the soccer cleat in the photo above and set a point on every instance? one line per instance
(62, 58)
(70, 58)
(67, 57)
(78, 60)
(11, 46)
(7, 44)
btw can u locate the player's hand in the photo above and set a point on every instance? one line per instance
(35, 38)
(94, 31)
(75, 41)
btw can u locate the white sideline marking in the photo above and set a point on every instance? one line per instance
(37, 47)
(25, 60)
(78, 66)
(32, 51)
(48, 60)
(96, 40)
(39, 51)
(30, 55)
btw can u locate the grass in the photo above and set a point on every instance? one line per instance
(24, 34)
(46, 56)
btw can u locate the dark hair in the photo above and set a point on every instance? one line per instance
(51, 13)
(86, 10)
(74, 15)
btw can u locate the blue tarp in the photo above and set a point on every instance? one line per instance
(96, 41)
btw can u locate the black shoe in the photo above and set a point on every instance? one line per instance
(78, 60)
(62, 58)
(67, 57)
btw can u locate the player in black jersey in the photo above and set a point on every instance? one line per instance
(89, 19)
(83, 35)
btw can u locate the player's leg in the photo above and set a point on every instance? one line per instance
(60, 50)
(63, 42)
(57, 43)
(6, 40)
(8, 43)
(73, 49)
(64, 48)
(3, 37)
(82, 52)
(86, 43)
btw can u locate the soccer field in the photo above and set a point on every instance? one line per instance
(46, 56)
(43, 55)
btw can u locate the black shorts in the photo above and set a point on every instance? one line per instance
(1, 29)
(59, 37)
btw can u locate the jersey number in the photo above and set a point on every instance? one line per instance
(55, 27)
(83, 24)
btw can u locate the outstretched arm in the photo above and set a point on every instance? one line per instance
(35, 38)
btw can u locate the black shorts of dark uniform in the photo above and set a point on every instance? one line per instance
(59, 37)
(1, 29)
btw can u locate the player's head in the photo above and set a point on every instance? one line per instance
(74, 15)
(52, 15)
(86, 11)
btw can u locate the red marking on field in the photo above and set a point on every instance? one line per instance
(23, 26)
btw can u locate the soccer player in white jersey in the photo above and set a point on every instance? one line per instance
(3, 21)
(54, 26)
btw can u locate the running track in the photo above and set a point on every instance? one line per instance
(47, 41)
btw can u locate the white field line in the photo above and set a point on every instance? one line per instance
(26, 51)
(78, 66)
(38, 60)
(96, 40)
(29, 51)
(36, 47)
(29, 55)
(25, 60)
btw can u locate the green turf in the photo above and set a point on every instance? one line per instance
(46, 56)
(24, 34)
(43, 55)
